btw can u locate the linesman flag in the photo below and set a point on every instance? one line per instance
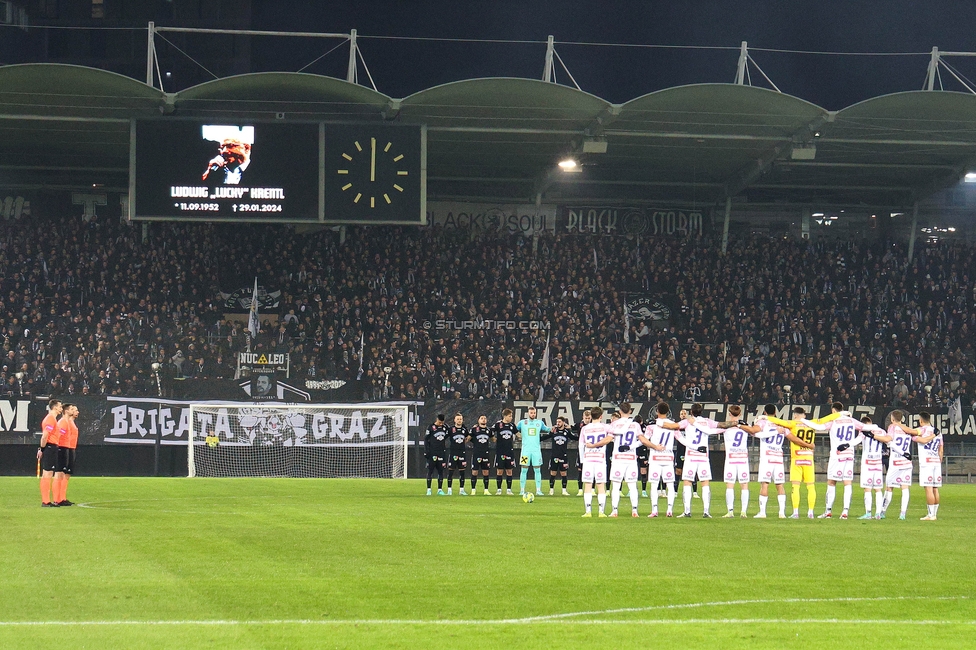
(253, 324)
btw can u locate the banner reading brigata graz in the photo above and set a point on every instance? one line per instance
(139, 421)
(597, 220)
(514, 219)
(550, 410)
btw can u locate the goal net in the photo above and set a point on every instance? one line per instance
(310, 441)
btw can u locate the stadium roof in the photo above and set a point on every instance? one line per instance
(499, 139)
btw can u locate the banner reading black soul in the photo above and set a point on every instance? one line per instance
(214, 170)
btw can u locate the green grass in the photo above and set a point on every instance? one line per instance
(288, 563)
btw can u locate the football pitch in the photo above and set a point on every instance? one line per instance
(296, 563)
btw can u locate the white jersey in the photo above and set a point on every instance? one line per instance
(928, 453)
(899, 467)
(846, 430)
(736, 445)
(661, 436)
(901, 443)
(593, 433)
(625, 432)
(770, 439)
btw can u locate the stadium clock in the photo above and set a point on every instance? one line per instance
(373, 174)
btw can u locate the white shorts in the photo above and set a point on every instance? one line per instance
(872, 473)
(623, 471)
(696, 465)
(594, 471)
(771, 469)
(736, 472)
(899, 472)
(660, 470)
(840, 467)
(930, 475)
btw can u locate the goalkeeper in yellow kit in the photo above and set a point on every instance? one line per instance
(801, 460)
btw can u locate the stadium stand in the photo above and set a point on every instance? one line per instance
(846, 321)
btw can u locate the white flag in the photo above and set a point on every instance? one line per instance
(596, 264)
(253, 324)
(626, 322)
(545, 364)
(955, 411)
(362, 342)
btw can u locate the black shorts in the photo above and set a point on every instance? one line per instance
(504, 461)
(643, 463)
(558, 464)
(459, 462)
(437, 461)
(49, 458)
(66, 458)
(481, 463)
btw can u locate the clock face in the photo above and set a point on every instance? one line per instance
(376, 172)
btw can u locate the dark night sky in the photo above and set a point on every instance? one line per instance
(618, 74)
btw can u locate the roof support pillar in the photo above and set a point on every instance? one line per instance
(911, 238)
(725, 228)
(933, 70)
(548, 74)
(740, 73)
(150, 53)
(351, 69)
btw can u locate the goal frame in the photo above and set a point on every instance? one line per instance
(194, 406)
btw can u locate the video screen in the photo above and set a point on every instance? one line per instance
(211, 170)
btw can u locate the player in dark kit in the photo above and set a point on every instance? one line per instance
(458, 435)
(480, 437)
(576, 428)
(504, 432)
(643, 458)
(435, 448)
(559, 462)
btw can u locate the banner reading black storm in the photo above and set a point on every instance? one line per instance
(644, 222)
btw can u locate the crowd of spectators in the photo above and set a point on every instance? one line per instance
(90, 307)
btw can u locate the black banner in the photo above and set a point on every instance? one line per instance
(239, 300)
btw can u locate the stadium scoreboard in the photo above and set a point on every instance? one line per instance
(221, 170)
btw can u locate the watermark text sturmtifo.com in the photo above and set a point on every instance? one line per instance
(486, 324)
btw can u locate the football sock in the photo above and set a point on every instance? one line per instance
(929, 510)
(729, 499)
(744, 497)
(461, 482)
(64, 488)
(552, 482)
(430, 475)
(632, 493)
(762, 504)
(671, 496)
(887, 500)
(46, 489)
(706, 495)
(867, 501)
(904, 500)
(498, 480)
(523, 476)
(615, 496)
(644, 485)
(588, 501)
(508, 482)
(795, 496)
(654, 498)
(831, 494)
(878, 502)
(686, 497)
(781, 498)
(440, 481)
(848, 490)
(565, 482)
(601, 499)
(486, 483)
(537, 474)
(450, 478)
(811, 496)
(935, 510)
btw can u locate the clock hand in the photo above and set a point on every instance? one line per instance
(372, 160)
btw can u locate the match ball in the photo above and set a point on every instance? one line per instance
(528, 497)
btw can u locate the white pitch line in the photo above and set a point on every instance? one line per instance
(457, 622)
(565, 618)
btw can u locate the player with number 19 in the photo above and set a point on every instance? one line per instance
(623, 467)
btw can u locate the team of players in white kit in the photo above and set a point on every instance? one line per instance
(693, 430)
